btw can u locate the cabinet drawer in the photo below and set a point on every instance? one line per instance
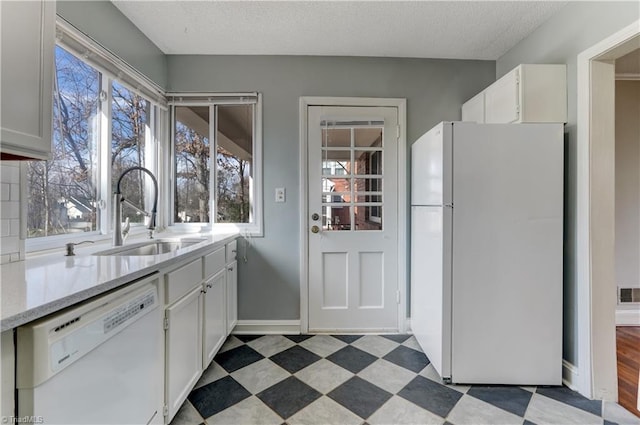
(181, 280)
(214, 262)
(232, 248)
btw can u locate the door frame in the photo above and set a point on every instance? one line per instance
(595, 375)
(402, 168)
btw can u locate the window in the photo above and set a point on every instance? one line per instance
(101, 127)
(63, 195)
(216, 151)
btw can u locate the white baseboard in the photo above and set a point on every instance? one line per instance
(628, 317)
(267, 327)
(569, 375)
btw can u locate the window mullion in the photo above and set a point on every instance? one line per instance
(104, 149)
(213, 164)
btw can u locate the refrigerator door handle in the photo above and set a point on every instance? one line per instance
(448, 205)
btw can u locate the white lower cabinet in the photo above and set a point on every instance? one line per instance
(183, 348)
(201, 299)
(214, 324)
(232, 296)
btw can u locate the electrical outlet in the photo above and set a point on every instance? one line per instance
(280, 194)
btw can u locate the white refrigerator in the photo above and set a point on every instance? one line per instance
(486, 251)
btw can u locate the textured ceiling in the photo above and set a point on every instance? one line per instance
(421, 29)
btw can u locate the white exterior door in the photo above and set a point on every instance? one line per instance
(353, 215)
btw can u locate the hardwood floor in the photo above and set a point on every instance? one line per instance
(628, 351)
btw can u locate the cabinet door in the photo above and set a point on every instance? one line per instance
(502, 99)
(183, 348)
(473, 109)
(232, 296)
(215, 316)
(27, 44)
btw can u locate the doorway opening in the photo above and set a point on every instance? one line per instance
(597, 214)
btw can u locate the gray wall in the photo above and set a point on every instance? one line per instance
(576, 27)
(103, 22)
(434, 89)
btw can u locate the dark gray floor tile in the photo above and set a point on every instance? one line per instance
(606, 422)
(430, 395)
(360, 396)
(399, 338)
(347, 338)
(512, 399)
(294, 358)
(527, 422)
(352, 359)
(217, 396)
(572, 398)
(247, 338)
(408, 358)
(288, 397)
(298, 338)
(237, 358)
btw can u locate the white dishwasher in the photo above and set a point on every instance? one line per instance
(99, 363)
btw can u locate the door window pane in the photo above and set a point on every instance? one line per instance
(368, 137)
(336, 137)
(62, 192)
(192, 169)
(336, 217)
(368, 217)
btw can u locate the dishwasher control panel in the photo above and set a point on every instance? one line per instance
(128, 311)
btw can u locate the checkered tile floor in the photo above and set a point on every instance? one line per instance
(371, 379)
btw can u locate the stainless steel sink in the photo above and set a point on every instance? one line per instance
(152, 247)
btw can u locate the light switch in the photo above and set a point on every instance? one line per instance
(280, 194)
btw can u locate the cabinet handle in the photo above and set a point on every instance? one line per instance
(202, 291)
(209, 285)
(230, 269)
(233, 250)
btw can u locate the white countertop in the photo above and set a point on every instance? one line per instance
(46, 283)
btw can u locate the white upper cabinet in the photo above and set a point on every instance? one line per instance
(27, 46)
(526, 94)
(473, 109)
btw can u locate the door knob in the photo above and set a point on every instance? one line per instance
(315, 229)
(315, 217)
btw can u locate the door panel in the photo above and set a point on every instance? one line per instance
(352, 163)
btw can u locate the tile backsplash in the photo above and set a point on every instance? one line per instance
(12, 247)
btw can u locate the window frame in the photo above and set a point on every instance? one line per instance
(255, 227)
(111, 68)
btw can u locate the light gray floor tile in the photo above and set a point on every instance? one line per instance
(545, 411)
(399, 411)
(530, 389)
(231, 343)
(471, 411)
(250, 411)
(615, 413)
(322, 345)
(387, 375)
(324, 411)
(260, 375)
(411, 342)
(323, 375)
(376, 345)
(187, 415)
(269, 345)
(212, 373)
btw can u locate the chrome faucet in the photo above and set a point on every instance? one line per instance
(118, 233)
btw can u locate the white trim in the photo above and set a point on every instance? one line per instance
(570, 375)
(267, 327)
(585, 303)
(628, 317)
(108, 62)
(401, 105)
